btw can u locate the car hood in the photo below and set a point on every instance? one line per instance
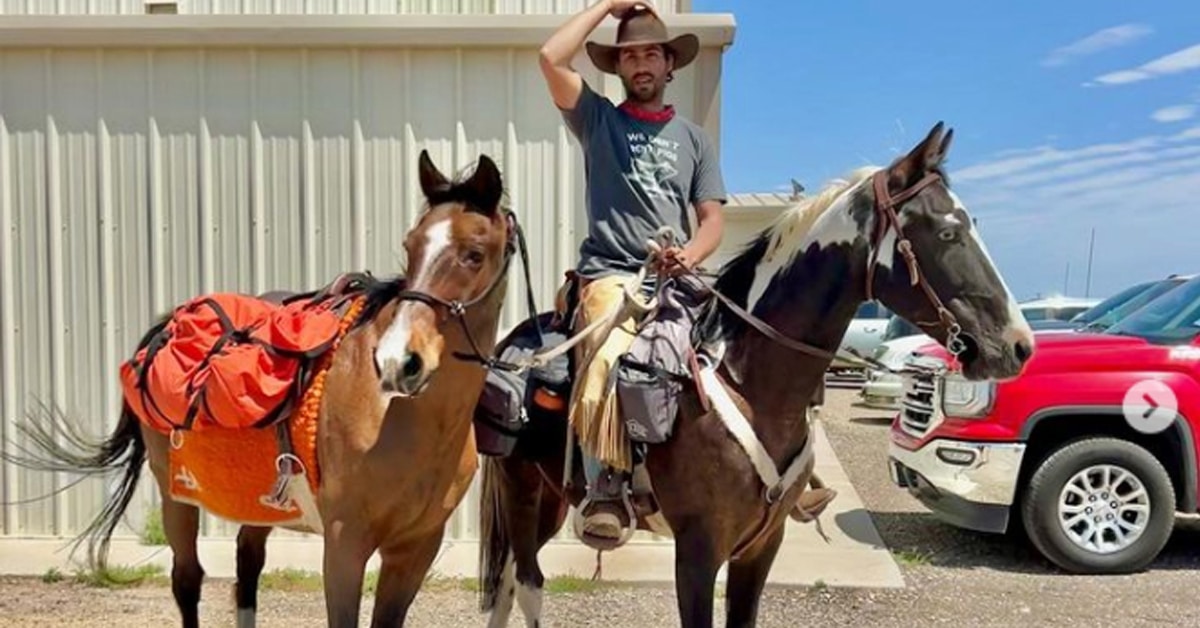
(1093, 352)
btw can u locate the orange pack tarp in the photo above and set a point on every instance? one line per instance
(227, 360)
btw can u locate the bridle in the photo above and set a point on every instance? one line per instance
(514, 242)
(885, 213)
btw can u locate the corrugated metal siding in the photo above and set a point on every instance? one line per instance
(133, 179)
(315, 7)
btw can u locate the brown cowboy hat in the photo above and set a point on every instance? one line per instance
(641, 26)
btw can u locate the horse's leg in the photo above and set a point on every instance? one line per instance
(401, 573)
(502, 609)
(251, 556)
(181, 525)
(746, 579)
(551, 513)
(696, 566)
(347, 550)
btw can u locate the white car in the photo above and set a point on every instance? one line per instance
(864, 335)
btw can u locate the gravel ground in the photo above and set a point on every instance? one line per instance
(953, 577)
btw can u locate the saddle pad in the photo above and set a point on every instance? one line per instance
(226, 360)
(233, 473)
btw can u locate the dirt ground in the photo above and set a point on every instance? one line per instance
(953, 577)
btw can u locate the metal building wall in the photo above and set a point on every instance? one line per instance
(134, 178)
(316, 7)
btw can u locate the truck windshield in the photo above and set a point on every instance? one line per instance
(1172, 318)
(1124, 303)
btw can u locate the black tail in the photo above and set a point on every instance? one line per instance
(122, 451)
(494, 544)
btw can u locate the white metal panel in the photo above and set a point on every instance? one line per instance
(317, 7)
(132, 179)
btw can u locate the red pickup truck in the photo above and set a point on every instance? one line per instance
(1090, 451)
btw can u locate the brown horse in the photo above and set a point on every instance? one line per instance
(897, 234)
(395, 439)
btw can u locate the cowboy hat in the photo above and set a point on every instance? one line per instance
(641, 26)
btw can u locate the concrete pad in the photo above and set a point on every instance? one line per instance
(854, 556)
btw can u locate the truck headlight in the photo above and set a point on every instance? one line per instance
(967, 399)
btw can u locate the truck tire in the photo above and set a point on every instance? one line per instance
(1070, 489)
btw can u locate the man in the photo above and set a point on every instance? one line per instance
(645, 167)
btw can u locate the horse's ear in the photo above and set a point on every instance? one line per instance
(923, 158)
(486, 184)
(433, 181)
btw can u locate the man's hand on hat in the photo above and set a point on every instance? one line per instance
(617, 8)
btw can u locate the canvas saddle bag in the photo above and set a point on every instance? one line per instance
(661, 362)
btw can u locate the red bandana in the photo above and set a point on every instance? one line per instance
(644, 115)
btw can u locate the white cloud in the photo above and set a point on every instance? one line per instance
(1036, 206)
(1179, 61)
(1176, 113)
(1098, 41)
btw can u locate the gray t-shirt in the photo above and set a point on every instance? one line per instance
(640, 176)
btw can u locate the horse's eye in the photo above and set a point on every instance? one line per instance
(473, 257)
(948, 235)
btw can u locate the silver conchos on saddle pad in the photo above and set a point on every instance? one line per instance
(660, 362)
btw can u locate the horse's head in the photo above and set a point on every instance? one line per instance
(456, 255)
(957, 295)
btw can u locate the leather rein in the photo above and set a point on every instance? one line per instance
(887, 219)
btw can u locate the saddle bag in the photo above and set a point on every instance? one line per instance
(658, 366)
(511, 403)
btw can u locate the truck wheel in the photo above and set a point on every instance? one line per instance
(1099, 505)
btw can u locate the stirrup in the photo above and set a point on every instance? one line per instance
(609, 545)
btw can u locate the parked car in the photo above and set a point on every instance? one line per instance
(1057, 452)
(882, 389)
(1056, 308)
(864, 335)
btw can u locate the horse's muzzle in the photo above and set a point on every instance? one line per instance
(407, 377)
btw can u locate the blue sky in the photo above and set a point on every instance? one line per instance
(1068, 115)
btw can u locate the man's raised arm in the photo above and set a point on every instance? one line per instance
(555, 58)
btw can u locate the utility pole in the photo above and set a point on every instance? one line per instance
(1087, 290)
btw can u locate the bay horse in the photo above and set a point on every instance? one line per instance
(395, 438)
(897, 234)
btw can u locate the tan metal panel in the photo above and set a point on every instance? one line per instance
(316, 7)
(136, 178)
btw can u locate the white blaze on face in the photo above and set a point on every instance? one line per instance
(1018, 328)
(393, 347)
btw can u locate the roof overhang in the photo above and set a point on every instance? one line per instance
(308, 31)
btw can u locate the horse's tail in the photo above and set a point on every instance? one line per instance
(64, 449)
(59, 446)
(494, 544)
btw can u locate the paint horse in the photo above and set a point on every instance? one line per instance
(393, 437)
(897, 234)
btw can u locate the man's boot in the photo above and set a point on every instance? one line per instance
(606, 516)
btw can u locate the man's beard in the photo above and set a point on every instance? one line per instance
(643, 93)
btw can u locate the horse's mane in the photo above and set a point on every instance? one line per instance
(783, 237)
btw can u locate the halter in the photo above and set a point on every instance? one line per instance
(885, 211)
(458, 309)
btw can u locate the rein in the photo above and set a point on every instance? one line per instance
(885, 205)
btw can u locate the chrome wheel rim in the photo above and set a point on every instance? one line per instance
(1104, 508)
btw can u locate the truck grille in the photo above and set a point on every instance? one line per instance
(919, 408)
